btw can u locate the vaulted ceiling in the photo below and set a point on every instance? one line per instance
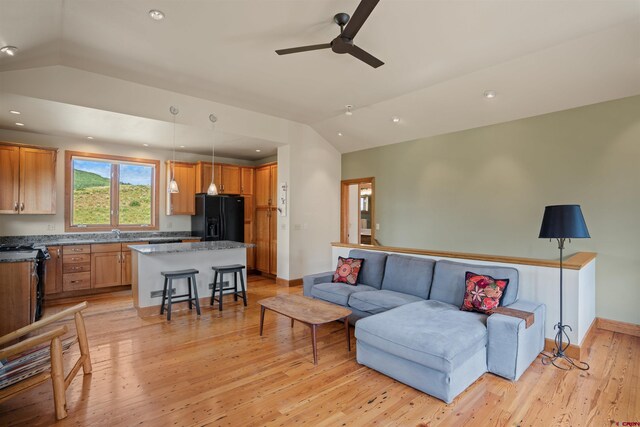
(440, 56)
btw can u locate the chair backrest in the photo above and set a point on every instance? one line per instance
(372, 268)
(409, 275)
(449, 281)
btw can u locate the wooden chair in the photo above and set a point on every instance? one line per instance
(54, 368)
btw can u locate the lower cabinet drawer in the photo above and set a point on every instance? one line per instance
(75, 281)
(76, 268)
(75, 258)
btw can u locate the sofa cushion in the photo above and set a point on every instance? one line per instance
(409, 275)
(372, 267)
(347, 270)
(483, 293)
(379, 301)
(337, 293)
(449, 281)
(430, 333)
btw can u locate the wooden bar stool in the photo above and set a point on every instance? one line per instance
(169, 277)
(222, 269)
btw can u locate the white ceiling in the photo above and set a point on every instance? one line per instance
(56, 118)
(540, 56)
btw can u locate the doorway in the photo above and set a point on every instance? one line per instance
(357, 211)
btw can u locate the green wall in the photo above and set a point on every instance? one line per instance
(484, 190)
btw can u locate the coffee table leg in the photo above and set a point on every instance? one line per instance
(261, 318)
(346, 327)
(314, 344)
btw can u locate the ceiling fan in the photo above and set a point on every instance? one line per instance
(349, 27)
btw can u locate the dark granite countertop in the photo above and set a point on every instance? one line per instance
(91, 238)
(18, 256)
(189, 247)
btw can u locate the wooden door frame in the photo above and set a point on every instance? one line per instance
(344, 207)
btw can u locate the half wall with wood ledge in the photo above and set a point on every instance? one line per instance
(539, 281)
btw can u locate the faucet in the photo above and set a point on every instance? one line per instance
(117, 232)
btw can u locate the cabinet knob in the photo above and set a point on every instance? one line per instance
(22, 206)
(15, 206)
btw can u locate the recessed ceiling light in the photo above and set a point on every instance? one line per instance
(156, 15)
(19, 124)
(89, 137)
(257, 151)
(339, 133)
(182, 146)
(9, 50)
(396, 120)
(14, 112)
(146, 145)
(490, 94)
(349, 108)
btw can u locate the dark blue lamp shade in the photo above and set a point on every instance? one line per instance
(563, 221)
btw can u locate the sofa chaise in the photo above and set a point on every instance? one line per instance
(409, 326)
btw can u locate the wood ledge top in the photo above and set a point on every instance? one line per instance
(575, 262)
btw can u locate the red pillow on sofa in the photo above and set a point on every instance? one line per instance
(347, 270)
(482, 292)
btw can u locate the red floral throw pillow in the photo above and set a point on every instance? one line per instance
(347, 270)
(482, 292)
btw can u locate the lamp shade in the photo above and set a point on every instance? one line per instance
(563, 221)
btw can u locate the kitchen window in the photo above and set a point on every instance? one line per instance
(105, 192)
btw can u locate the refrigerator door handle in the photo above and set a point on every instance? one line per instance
(223, 225)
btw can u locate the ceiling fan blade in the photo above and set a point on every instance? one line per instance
(365, 56)
(361, 14)
(303, 48)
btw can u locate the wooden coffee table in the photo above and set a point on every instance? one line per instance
(311, 312)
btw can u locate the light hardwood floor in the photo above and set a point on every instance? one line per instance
(217, 370)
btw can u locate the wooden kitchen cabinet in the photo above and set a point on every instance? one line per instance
(17, 295)
(203, 176)
(126, 261)
(27, 180)
(9, 179)
(183, 202)
(53, 271)
(106, 269)
(230, 179)
(266, 219)
(247, 178)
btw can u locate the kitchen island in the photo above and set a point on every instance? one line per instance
(148, 261)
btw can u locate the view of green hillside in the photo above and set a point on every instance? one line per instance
(92, 200)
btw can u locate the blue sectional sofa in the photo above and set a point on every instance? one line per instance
(409, 326)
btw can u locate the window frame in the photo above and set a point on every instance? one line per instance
(114, 191)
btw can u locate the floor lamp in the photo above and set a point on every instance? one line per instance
(562, 222)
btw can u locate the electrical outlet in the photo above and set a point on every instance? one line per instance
(377, 226)
(170, 224)
(51, 227)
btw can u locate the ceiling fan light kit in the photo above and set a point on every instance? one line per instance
(349, 27)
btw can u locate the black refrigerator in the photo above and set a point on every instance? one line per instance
(218, 218)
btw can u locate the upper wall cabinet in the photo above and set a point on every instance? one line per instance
(247, 178)
(27, 180)
(182, 202)
(226, 177)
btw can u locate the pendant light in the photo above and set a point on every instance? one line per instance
(213, 190)
(173, 185)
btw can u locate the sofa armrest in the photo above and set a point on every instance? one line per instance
(512, 346)
(313, 279)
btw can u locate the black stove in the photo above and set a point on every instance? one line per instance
(40, 254)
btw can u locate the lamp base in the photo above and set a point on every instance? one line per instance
(558, 354)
